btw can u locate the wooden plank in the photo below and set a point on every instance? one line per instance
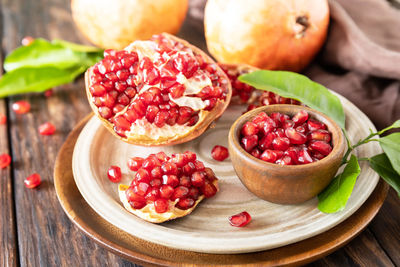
(46, 237)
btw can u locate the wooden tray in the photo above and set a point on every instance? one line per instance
(144, 252)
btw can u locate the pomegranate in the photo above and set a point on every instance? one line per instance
(47, 128)
(167, 187)
(158, 92)
(21, 107)
(115, 24)
(240, 219)
(287, 141)
(3, 119)
(5, 160)
(114, 174)
(275, 34)
(219, 153)
(32, 181)
(244, 93)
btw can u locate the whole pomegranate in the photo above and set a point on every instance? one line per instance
(273, 34)
(158, 92)
(117, 23)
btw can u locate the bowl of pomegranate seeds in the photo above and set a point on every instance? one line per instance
(285, 154)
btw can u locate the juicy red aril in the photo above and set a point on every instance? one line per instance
(47, 128)
(240, 219)
(219, 153)
(3, 119)
(161, 205)
(5, 160)
(32, 181)
(249, 142)
(180, 192)
(114, 174)
(169, 168)
(170, 179)
(286, 140)
(135, 163)
(198, 179)
(208, 189)
(142, 175)
(21, 107)
(185, 203)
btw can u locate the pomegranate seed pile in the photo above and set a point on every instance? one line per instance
(161, 180)
(245, 91)
(161, 82)
(287, 141)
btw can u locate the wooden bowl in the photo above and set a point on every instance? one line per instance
(290, 184)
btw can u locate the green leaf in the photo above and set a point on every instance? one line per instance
(25, 80)
(335, 196)
(299, 87)
(396, 124)
(77, 47)
(381, 164)
(391, 145)
(42, 53)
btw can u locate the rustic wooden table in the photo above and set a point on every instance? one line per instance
(34, 229)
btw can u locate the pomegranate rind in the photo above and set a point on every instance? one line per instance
(148, 212)
(205, 117)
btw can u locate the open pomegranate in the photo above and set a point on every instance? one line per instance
(274, 34)
(166, 188)
(158, 92)
(115, 24)
(244, 93)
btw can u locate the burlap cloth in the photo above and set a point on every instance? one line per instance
(361, 57)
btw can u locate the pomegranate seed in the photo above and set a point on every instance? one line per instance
(286, 160)
(249, 128)
(180, 192)
(198, 179)
(166, 191)
(21, 107)
(142, 175)
(240, 219)
(185, 181)
(295, 137)
(322, 147)
(281, 143)
(170, 179)
(114, 174)
(5, 160)
(153, 194)
(3, 119)
(249, 142)
(27, 40)
(161, 118)
(135, 163)
(199, 165)
(161, 205)
(191, 156)
(48, 93)
(169, 168)
(185, 203)
(194, 193)
(300, 117)
(219, 153)
(266, 141)
(256, 153)
(122, 123)
(156, 173)
(177, 90)
(189, 168)
(320, 135)
(304, 157)
(47, 128)
(209, 189)
(269, 156)
(315, 125)
(32, 181)
(97, 90)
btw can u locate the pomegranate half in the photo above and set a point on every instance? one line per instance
(158, 92)
(274, 34)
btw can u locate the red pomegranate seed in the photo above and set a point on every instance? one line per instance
(249, 128)
(285, 160)
(170, 179)
(219, 153)
(141, 188)
(161, 205)
(166, 191)
(180, 192)
(281, 143)
(300, 117)
(189, 168)
(3, 119)
(114, 174)
(249, 142)
(256, 153)
(208, 189)
(269, 156)
(5, 160)
(185, 203)
(295, 137)
(191, 156)
(315, 125)
(303, 157)
(199, 165)
(135, 163)
(240, 219)
(47, 129)
(32, 181)
(153, 194)
(27, 40)
(142, 175)
(21, 107)
(322, 147)
(48, 93)
(266, 141)
(169, 168)
(198, 178)
(320, 135)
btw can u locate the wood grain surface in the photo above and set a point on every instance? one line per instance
(34, 229)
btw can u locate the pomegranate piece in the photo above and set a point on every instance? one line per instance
(165, 181)
(284, 140)
(157, 84)
(3, 119)
(21, 107)
(219, 153)
(114, 174)
(240, 219)
(47, 128)
(32, 181)
(5, 160)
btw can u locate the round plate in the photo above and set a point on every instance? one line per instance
(207, 229)
(144, 252)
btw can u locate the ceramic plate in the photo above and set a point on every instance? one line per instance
(207, 228)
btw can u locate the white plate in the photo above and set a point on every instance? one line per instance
(207, 228)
